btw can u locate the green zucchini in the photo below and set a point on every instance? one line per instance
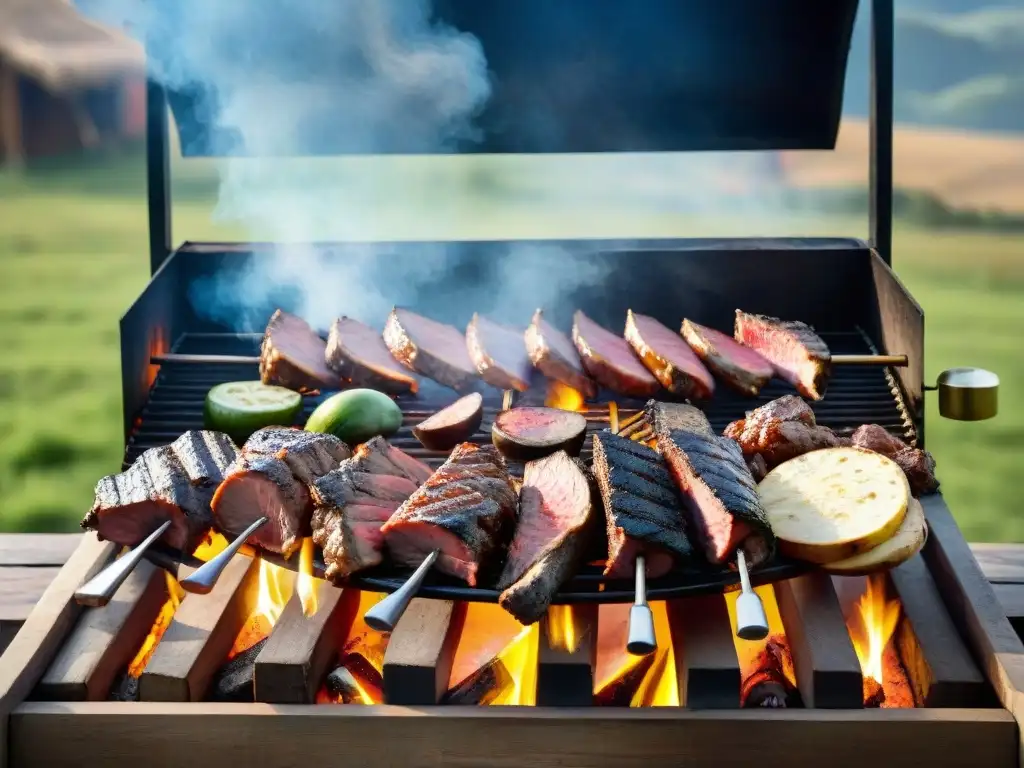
(239, 408)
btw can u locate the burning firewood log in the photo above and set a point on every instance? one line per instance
(767, 686)
(619, 692)
(482, 687)
(234, 681)
(355, 681)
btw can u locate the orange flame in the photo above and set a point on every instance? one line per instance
(748, 651)
(872, 625)
(306, 585)
(273, 592)
(520, 659)
(564, 397)
(561, 629)
(360, 640)
(659, 685)
(175, 594)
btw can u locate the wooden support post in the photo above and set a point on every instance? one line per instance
(940, 668)
(418, 660)
(199, 637)
(105, 639)
(706, 662)
(293, 663)
(827, 670)
(12, 146)
(565, 663)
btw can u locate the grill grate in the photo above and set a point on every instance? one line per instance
(856, 395)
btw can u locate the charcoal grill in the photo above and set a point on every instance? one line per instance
(764, 76)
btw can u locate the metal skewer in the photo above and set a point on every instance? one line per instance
(751, 620)
(99, 590)
(204, 359)
(641, 640)
(203, 579)
(899, 361)
(384, 616)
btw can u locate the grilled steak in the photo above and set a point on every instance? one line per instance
(357, 353)
(436, 350)
(381, 458)
(466, 510)
(643, 512)
(350, 507)
(665, 417)
(292, 355)
(610, 360)
(668, 357)
(499, 354)
(174, 482)
(271, 478)
(719, 495)
(917, 465)
(554, 355)
(739, 367)
(780, 430)
(555, 516)
(793, 348)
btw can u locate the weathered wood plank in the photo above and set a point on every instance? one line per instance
(34, 647)
(200, 635)
(940, 667)
(293, 663)
(706, 662)
(565, 668)
(105, 639)
(21, 588)
(418, 659)
(1001, 563)
(37, 549)
(827, 670)
(172, 735)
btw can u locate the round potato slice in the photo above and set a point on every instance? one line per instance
(835, 503)
(907, 542)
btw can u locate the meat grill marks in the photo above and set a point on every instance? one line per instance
(781, 430)
(719, 495)
(797, 353)
(499, 354)
(643, 512)
(271, 478)
(665, 417)
(433, 349)
(740, 368)
(556, 518)
(377, 456)
(467, 510)
(610, 360)
(554, 355)
(357, 353)
(174, 482)
(293, 355)
(668, 357)
(917, 465)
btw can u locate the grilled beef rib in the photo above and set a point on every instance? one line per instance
(798, 354)
(740, 368)
(293, 355)
(554, 355)
(610, 360)
(357, 353)
(433, 349)
(668, 357)
(499, 354)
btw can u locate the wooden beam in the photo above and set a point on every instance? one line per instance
(200, 635)
(565, 673)
(1001, 563)
(106, 639)
(940, 668)
(12, 144)
(827, 671)
(706, 662)
(33, 648)
(37, 549)
(293, 663)
(418, 659)
(112, 735)
(975, 608)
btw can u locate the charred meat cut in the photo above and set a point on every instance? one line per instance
(781, 430)
(466, 510)
(381, 458)
(350, 507)
(174, 482)
(739, 367)
(357, 353)
(499, 354)
(271, 478)
(433, 349)
(917, 465)
(665, 417)
(643, 512)
(555, 524)
(719, 495)
(610, 360)
(668, 357)
(797, 353)
(293, 355)
(554, 355)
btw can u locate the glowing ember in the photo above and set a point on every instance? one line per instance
(561, 629)
(750, 652)
(358, 678)
(306, 586)
(564, 397)
(275, 589)
(175, 594)
(872, 625)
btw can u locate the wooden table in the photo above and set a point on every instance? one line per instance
(28, 563)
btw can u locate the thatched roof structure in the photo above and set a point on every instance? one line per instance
(51, 42)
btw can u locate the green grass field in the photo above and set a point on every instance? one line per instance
(73, 256)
